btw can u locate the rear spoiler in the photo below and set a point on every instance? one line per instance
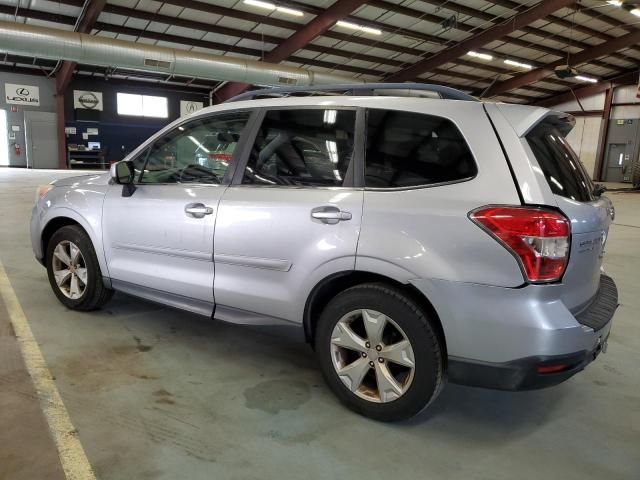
(523, 118)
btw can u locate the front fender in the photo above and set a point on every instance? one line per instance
(83, 206)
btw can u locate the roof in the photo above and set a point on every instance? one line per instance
(392, 35)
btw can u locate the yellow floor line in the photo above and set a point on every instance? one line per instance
(72, 457)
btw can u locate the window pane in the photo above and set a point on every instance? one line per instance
(197, 152)
(154, 107)
(302, 147)
(407, 149)
(129, 104)
(564, 172)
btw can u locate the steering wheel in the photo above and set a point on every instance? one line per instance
(204, 174)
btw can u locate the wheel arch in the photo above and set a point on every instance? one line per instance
(61, 217)
(333, 284)
(53, 226)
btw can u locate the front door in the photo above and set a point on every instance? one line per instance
(159, 241)
(291, 217)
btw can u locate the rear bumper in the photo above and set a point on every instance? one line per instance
(521, 374)
(498, 337)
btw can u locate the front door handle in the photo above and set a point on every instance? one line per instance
(330, 215)
(197, 210)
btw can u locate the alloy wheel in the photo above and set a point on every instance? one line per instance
(69, 269)
(372, 356)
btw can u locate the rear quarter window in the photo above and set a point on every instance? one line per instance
(563, 170)
(406, 149)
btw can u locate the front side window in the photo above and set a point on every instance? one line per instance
(312, 147)
(563, 170)
(406, 149)
(199, 151)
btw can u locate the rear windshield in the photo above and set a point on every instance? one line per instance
(559, 163)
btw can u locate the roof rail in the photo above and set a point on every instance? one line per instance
(401, 89)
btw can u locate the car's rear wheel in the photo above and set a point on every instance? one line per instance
(379, 352)
(73, 270)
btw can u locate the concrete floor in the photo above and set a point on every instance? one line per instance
(159, 394)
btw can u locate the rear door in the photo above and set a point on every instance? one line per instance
(291, 216)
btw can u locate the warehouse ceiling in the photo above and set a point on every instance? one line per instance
(373, 40)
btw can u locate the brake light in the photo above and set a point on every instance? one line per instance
(552, 368)
(537, 237)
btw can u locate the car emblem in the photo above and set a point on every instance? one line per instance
(88, 100)
(23, 92)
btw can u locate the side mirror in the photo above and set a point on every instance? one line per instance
(123, 174)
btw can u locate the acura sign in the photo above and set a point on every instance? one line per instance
(87, 100)
(26, 95)
(187, 107)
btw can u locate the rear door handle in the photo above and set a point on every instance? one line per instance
(330, 215)
(197, 210)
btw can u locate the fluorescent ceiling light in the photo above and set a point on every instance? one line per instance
(483, 56)
(615, 3)
(330, 116)
(355, 26)
(273, 6)
(259, 4)
(586, 79)
(635, 11)
(518, 64)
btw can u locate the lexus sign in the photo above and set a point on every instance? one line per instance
(87, 100)
(26, 95)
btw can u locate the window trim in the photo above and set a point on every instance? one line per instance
(357, 159)
(365, 134)
(226, 179)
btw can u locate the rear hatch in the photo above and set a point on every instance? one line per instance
(573, 194)
(567, 187)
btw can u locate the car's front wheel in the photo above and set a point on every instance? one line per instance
(73, 270)
(379, 352)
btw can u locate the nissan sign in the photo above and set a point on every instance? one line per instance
(87, 100)
(26, 95)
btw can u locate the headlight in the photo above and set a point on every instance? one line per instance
(42, 191)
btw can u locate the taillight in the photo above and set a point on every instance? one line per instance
(537, 237)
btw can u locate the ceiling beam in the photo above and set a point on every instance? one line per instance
(466, 27)
(205, 7)
(300, 39)
(496, 32)
(189, 41)
(90, 12)
(538, 74)
(628, 78)
(581, 9)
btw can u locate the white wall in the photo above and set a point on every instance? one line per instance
(585, 136)
(47, 104)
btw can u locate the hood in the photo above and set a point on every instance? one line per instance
(89, 179)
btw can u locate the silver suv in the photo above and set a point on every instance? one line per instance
(415, 239)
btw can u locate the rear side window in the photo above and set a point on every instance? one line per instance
(563, 170)
(406, 149)
(302, 147)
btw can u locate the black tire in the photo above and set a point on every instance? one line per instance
(428, 376)
(95, 293)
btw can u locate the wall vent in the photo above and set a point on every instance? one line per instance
(288, 81)
(151, 62)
